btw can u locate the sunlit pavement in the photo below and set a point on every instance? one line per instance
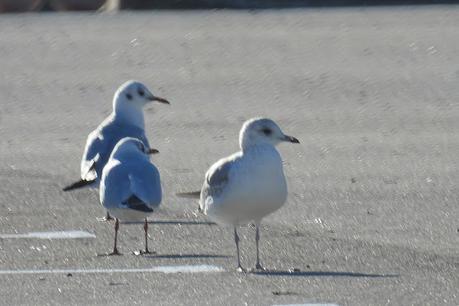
(372, 214)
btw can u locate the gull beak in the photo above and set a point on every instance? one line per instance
(159, 99)
(152, 151)
(290, 139)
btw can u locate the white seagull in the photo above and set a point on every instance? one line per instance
(247, 185)
(130, 187)
(126, 120)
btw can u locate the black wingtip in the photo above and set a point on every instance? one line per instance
(76, 185)
(137, 204)
(189, 195)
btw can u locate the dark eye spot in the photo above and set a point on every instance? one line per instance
(129, 96)
(141, 92)
(266, 131)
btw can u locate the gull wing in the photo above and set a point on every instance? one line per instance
(218, 177)
(94, 156)
(101, 142)
(137, 204)
(145, 183)
(134, 183)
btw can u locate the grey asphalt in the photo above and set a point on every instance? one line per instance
(372, 93)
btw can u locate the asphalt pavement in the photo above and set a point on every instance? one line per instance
(372, 93)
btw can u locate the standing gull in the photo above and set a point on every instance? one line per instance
(130, 186)
(126, 120)
(248, 185)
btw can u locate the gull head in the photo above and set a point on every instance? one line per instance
(262, 131)
(134, 93)
(131, 146)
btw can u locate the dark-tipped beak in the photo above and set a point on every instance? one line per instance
(159, 99)
(152, 151)
(291, 139)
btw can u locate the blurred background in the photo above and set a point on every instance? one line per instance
(82, 5)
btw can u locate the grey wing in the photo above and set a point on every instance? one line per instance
(96, 145)
(217, 179)
(220, 174)
(145, 183)
(115, 185)
(123, 183)
(101, 142)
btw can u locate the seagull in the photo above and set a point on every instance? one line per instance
(130, 187)
(248, 185)
(126, 120)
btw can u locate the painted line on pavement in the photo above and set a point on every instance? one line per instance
(308, 304)
(50, 235)
(158, 269)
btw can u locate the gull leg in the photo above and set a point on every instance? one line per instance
(108, 217)
(145, 228)
(258, 266)
(146, 251)
(115, 249)
(236, 239)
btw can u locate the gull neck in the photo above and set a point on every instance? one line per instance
(129, 114)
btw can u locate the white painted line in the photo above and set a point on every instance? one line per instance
(314, 304)
(50, 235)
(159, 269)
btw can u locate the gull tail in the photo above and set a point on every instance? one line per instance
(189, 195)
(77, 185)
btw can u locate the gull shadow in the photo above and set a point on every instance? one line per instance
(183, 222)
(268, 4)
(321, 273)
(178, 222)
(185, 256)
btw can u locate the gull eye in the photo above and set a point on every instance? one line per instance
(129, 96)
(141, 92)
(266, 131)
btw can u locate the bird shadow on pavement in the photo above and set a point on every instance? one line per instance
(320, 273)
(183, 222)
(178, 222)
(184, 256)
